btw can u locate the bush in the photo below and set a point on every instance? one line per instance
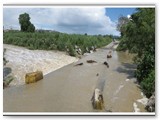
(122, 45)
(71, 50)
(54, 41)
(146, 63)
(148, 84)
(139, 38)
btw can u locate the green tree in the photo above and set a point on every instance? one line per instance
(31, 28)
(140, 31)
(122, 21)
(148, 85)
(25, 24)
(71, 50)
(139, 37)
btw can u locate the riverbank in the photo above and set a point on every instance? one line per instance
(23, 60)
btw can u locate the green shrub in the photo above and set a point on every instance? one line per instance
(54, 40)
(122, 45)
(139, 38)
(148, 84)
(71, 50)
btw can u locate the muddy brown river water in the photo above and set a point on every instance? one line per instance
(70, 88)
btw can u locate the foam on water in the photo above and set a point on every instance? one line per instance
(143, 100)
(135, 106)
(22, 61)
(119, 88)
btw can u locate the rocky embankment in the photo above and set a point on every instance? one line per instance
(151, 104)
(7, 72)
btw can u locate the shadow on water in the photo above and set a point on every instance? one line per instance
(129, 65)
(127, 68)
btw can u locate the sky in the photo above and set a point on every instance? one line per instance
(115, 13)
(93, 21)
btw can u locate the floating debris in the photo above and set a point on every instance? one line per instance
(91, 61)
(33, 77)
(109, 56)
(78, 64)
(97, 99)
(106, 64)
(97, 74)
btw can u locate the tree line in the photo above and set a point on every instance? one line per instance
(47, 40)
(56, 41)
(138, 36)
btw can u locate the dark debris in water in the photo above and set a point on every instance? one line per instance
(79, 64)
(105, 63)
(91, 61)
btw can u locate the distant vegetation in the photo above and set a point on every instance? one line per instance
(73, 44)
(138, 36)
(48, 40)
